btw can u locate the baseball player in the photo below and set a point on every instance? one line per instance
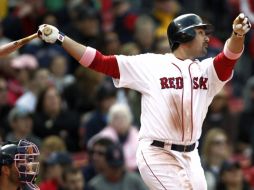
(176, 91)
(19, 166)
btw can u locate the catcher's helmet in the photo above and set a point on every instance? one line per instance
(24, 155)
(182, 29)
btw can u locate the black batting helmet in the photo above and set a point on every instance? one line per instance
(182, 29)
(24, 155)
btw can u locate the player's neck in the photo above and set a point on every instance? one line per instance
(183, 54)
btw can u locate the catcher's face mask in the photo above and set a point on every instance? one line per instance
(27, 163)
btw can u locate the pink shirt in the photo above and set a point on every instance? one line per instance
(129, 147)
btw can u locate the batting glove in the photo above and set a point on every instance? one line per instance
(50, 34)
(241, 25)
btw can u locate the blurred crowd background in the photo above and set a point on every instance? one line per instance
(86, 129)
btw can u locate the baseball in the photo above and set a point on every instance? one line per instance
(47, 31)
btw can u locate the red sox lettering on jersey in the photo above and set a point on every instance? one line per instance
(177, 82)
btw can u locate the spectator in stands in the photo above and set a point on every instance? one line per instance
(21, 123)
(59, 76)
(97, 119)
(161, 45)
(130, 49)
(5, 107)
(50, 144)
(114, 175)
(80, 95)
(121, 130)
(219, 13)
(4, 40)
(24, 67)
(246, 122)
(38, 82)
(25, 17)
(164, 11)
(219, 115)
(144, 33)
(124, 20)
(111, 44)
(231, 177)
(73, 179)
(96, 151)
(84, 25)
(215, 151)
(247, 7)
(52, 119)
(133, 97)
(54, 166)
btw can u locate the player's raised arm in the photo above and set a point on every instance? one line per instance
(233, 48)
(87, 56)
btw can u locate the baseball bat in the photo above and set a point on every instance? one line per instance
(12, 46)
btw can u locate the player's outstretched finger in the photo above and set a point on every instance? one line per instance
(241, 16)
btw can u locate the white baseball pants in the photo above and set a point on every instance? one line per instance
(163, 169)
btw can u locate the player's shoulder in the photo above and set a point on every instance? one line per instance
(205, 62)
(146, 57)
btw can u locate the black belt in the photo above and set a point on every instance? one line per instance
(176, 147)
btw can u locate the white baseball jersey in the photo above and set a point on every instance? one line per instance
(175, 94)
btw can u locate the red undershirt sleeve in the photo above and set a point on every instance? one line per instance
(105, 64)
(223, 66)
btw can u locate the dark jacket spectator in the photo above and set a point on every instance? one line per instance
(52, 119)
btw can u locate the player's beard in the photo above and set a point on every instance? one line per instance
(204, 48)
(14, 177)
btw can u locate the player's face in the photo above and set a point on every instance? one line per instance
(200, 43)
(14, 175)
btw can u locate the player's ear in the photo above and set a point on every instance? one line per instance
(5, 170)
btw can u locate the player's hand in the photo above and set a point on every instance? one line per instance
(241, 25)
(48, 33)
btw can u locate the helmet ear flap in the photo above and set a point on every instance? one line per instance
(182, 37)
(6, 155)
(185, 35)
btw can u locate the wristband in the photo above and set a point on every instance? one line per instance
(229, 54)
(60, 38)
(88, 57)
